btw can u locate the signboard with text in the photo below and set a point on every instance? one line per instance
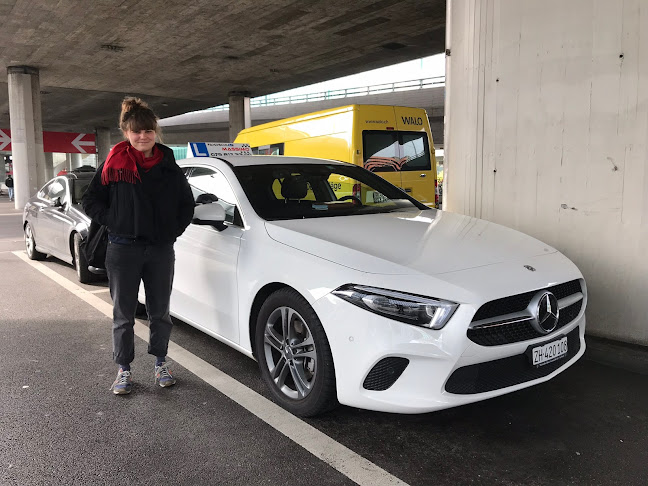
(62, 142)
(210, 149)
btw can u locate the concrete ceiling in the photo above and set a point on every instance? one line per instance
(183, 56)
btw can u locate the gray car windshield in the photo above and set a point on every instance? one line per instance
(297, 191)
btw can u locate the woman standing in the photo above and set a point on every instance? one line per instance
(144, 199)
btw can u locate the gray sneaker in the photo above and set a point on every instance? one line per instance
(163, 375)
(123, 383)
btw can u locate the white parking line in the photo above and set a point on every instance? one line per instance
(352, 465)
(100, 291)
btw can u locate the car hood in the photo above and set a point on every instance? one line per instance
(430, 242)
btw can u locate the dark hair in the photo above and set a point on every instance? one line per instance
(136, 115)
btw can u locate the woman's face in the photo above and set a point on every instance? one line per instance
(144, 140)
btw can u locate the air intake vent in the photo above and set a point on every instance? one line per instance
(505, 372)
(385, 373)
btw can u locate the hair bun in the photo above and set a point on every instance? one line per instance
(130, 105)
(137, 115)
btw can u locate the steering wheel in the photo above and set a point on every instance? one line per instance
(355, 199)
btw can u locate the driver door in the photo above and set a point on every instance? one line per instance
(53, 220)
(205, 282)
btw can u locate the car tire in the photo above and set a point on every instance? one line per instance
(294, 355)
(30, 245)
(80, 263)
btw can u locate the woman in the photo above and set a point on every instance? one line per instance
(144, 199)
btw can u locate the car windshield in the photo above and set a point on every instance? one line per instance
(79, 187)
(297, 191)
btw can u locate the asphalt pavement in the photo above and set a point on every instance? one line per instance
(60, 424)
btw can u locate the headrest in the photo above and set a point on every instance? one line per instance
(206, 198)
(294, 187)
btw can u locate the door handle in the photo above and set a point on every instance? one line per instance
(422, 175)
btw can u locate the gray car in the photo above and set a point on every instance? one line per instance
(55, 224)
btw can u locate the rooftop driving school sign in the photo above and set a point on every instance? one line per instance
(217, 149)
(60, 142)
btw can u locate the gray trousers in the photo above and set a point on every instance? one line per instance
(126, 266)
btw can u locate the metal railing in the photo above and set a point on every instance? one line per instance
(333, 94)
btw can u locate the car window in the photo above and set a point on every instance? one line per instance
(395, 151)
(57, 189)
(44, 192)
(210, 181)
(52, 190)
(381, 151)
(415, 150)
(274, 149)
(79, 187)
(296, 191)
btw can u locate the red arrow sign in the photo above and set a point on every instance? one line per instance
(63, 142)
(5, 140)
(69, 143)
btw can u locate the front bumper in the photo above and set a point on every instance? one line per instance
(443, 369)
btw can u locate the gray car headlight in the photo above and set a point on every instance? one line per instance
(409, 308)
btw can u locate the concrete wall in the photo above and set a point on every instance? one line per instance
(546, 132)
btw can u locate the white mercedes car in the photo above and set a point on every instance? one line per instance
(370, 298)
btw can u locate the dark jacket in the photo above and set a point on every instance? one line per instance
(156, 210)
(9, 182)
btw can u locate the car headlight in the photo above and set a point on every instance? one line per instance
(409, 308)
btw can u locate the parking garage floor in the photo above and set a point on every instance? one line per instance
(59, 423)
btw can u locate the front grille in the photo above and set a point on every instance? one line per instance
(517, 303)
(568, 314)
(501, 373)
(514, 332)
(385, 373)
(519, 331)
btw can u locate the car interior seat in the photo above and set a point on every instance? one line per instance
(294, 188)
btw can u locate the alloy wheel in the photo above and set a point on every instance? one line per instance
(289, 352)
(77, 263)
(30, 244)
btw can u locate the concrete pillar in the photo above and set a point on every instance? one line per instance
(41, 173)
(239, 113)
(60, 162)
(26, 132)
(49, 165)
(76, 161)
(547, 113)
(102, 142)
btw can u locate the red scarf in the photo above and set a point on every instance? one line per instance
(122, 162)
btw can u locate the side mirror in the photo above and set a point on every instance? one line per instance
(210, 214)
(57, 202)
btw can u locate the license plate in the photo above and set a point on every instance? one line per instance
(541, 355)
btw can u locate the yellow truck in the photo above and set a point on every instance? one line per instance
(393, 141)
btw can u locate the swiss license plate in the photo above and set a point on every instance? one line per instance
(541, 355)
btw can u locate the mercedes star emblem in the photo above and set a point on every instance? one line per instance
(544, 309)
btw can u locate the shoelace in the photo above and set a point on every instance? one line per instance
(162, 371)
(122, 379)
